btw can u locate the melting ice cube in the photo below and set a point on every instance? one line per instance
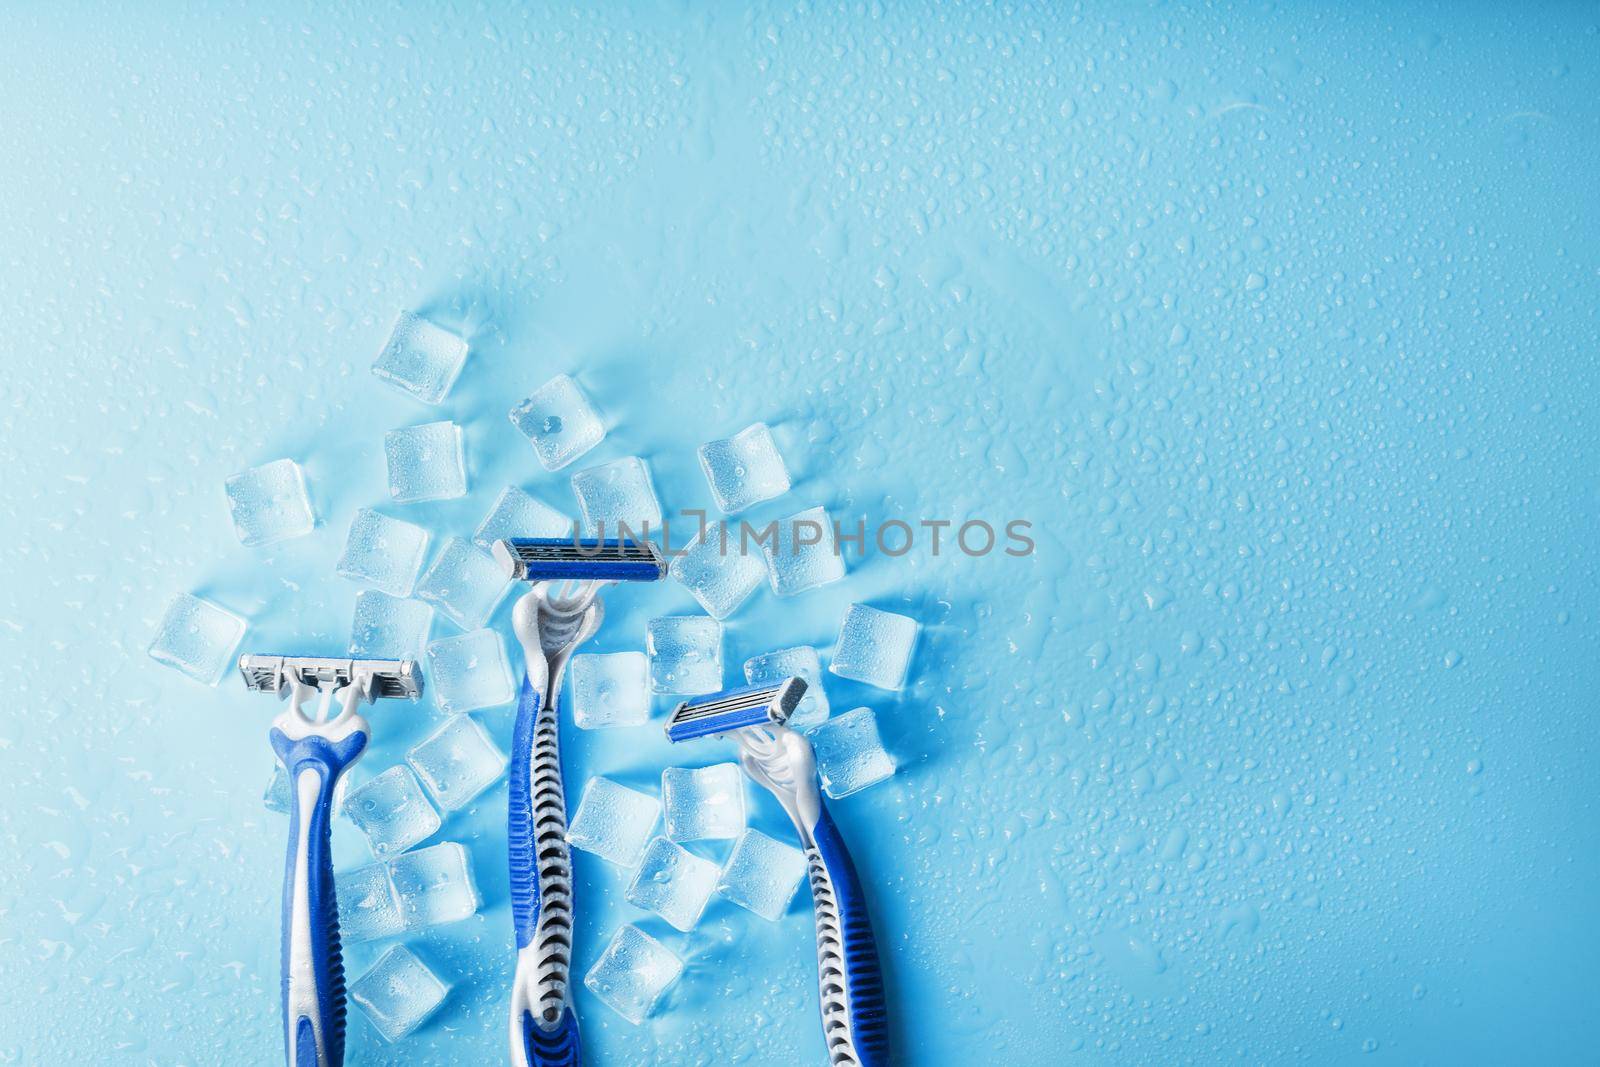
(434, 885)
(383, 552)
(464, 582)
(457, 762)
(392, 811)
(398, 992)
(421, 358)
(685, 654)
(761, 874)
(425, 462)
(801, 661)
(716, 569)
(368, 910)
(516, 514)
(470, 671)
(674, 883)
(386, 627)
(559, 421)
(805, 553)
(618, 498)
(610, 689)
(632, 973)
(850, 755)
(874, 647)
(744, 469)
(703, 803)
(613, 821)
(269, 503)
(198, 638)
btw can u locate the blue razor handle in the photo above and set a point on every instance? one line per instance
(314, 758)
(544, 1030)
(855, 1019)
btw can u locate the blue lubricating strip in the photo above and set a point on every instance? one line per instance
(578, 559)
(722, 723)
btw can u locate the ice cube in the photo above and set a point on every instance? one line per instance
(269, 503)
(717, 571)
(744, 469)
(798, 662)
(674, 883)
(685, 654)
(398, 993)
(633, 972)
(383, 552)
(421, 358)
(850, 756)
(197, 638)
(613, 821)
(804, 555)
(617, 498)
(874, 647)
(610, 689)
(516, 514)
(464, 582)
(392, 811)
(470, 671)
(761, 874)
(368, 910)
(434, 885)
(386, 627)
(276, 796)
(457, 762)
(426, 462)
(560, 422)
(703, 803)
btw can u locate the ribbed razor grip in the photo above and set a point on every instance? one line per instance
(855, 1020)
(541, 888)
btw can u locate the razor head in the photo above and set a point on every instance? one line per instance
(607, 559)
(379, 677)
(735, 709)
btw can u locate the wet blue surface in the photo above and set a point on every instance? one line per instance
(1279, 325)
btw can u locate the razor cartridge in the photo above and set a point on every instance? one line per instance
(378, 678)
(610, 559)
(735, 709)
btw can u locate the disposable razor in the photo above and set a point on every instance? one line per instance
(315, 751)
(560, 611)
(855, 1022)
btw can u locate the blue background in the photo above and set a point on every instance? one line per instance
(1280, 325)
